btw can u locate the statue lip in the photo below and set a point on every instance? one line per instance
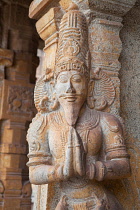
(69, 97)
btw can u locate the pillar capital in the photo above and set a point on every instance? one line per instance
(110, 7)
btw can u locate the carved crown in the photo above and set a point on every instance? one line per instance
(73, 42)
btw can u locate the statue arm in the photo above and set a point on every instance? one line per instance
(41, 168)
(44, 174)
(116, 164)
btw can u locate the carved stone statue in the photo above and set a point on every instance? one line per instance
(69, 141)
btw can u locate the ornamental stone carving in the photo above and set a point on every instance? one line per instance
(18, 62)
(71, 141)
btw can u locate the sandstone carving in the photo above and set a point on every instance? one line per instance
(103, 91)
(70, 141)
(20, 100)
(6, 57)
(18, 62)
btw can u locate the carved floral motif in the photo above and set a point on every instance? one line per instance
(20, 100)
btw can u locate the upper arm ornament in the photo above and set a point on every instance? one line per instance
(114, 140)
(45, 102)
(38, 143)
(44, 95)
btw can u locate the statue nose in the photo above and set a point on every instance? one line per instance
(70, 88)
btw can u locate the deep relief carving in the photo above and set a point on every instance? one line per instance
(18, 62)
(44, 95)
(103, 92)
(105, 47)
(71, 142)
(20, 100)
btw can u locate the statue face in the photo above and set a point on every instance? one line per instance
(71, 88)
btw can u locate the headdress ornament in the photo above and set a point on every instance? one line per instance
(73, 42)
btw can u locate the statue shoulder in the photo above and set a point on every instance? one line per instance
(111, 122)
(113, 137)
(36, 128)
(37, 137)
(89, 119)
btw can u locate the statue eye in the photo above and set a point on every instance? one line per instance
(76, 78)
(63, 78)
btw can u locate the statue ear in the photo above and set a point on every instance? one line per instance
(90, 98)
(104, 90)
(44, 94)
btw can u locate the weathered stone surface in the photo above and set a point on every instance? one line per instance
(18, 62)
(111, 8)
(39, 8)
(130, 98)
(6, 57)
(70, 142)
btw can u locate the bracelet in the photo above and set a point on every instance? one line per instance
(100, 170)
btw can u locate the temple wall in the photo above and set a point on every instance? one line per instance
(104, 19)
(18, 63)
(130, 71)
(20, 46)
(130, 94)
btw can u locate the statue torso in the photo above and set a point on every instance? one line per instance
(81, 192)
(88, 127)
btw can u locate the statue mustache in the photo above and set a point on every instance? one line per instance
(70, 94)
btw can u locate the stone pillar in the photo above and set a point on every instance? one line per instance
(104, 23)
(18, 62)
(104, 29)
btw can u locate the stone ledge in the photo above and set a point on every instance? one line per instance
(115, 7)
(37, 6)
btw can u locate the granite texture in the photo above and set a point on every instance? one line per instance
(130, 95)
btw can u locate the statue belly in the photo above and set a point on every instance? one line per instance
(83, 194)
